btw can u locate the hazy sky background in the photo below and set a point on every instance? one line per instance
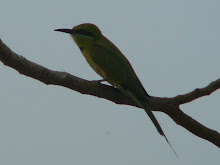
(174, 47)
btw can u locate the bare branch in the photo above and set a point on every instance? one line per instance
(170, 106)
(197, 93)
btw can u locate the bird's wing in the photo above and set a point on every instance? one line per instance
(117, 68)
(121, 74)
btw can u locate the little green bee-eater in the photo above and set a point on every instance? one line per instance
(109, 62)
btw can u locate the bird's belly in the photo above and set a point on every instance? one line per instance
(94, 66)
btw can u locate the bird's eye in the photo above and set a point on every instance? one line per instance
(84, 32)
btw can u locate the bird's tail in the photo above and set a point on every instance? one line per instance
(142, 102)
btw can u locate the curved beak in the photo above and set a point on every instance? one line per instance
(70, 31)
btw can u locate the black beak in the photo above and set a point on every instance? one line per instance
(70, 31)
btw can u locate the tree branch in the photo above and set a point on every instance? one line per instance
(197, 93)
(170, 106)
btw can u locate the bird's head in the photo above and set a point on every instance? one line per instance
(83, 34)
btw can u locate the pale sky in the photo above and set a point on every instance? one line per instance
(174, 47)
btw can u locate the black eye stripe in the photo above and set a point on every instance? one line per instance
(84, 32)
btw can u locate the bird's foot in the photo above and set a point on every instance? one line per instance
(99, 81)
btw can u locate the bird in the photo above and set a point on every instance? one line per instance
(110, 63)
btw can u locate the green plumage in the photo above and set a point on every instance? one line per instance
(108, 61)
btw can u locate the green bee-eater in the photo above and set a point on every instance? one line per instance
(109, 62)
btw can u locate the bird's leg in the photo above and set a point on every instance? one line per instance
(99, 81)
